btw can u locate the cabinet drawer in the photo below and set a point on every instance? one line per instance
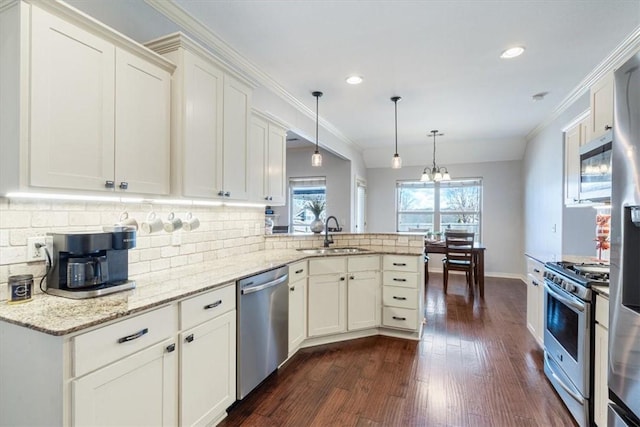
(394, 296)
(399, 278)
(105, 345)
(602, 311)
(298, 270)
(399, 317)
(207, 306)
(327, 265)
(401, 263)
(363, 263)
(536, 269)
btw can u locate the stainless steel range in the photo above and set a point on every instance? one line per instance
(568, 332)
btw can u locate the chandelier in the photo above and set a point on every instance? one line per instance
(435, 173)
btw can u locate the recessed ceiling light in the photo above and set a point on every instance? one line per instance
(354, 80)
(512, 52)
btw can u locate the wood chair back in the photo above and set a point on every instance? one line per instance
(459, 246)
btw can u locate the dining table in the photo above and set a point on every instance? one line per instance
(439, 247)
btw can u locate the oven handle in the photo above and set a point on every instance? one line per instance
(566, 388)
(565, 300)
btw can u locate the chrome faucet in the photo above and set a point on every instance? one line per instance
(327, 239)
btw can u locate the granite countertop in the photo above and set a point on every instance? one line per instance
(61, 316)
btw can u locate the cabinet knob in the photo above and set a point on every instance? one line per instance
(607, 127)
(220, 193)
(109, 184)
(266, 197)
(171, 348)
(124, 185)
(270, 198)
(227, 194)
(342, 278)
(292, 289)
(351, 277)
(189, 338)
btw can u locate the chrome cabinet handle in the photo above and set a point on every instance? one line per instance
(124, 185)
(399, 318)
(400, 298)
(170, 348)
(213, 304)
(189, 338)
(109, 184)
(133, 336)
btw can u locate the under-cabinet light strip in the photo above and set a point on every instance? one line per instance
(115, 199)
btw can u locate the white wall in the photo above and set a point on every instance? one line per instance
(544, 200)
(502, 215)
(337, 172)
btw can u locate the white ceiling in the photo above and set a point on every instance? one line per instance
(441, 57)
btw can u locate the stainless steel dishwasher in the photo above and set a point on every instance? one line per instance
(263, 327)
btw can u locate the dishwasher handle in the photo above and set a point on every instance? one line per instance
(257, 288)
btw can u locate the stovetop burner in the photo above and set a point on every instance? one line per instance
(585, 273)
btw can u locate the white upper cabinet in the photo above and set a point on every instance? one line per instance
(267, 161)
(89, 107)
(601, 107)
(210, 116)
(574, 138)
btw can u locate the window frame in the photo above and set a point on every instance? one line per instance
(437, 211)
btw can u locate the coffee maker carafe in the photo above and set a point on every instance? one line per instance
(90, 264)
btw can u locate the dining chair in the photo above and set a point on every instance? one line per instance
(458, 256)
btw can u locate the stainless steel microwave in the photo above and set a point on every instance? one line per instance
(595, 169)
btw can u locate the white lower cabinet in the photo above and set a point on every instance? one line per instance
(207, 356)
(535, 299)
(137, 390)
(327, 309)
(601, 368)
(402, 295)
(363, 296)
(297, 305)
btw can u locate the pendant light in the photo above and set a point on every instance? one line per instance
(316, 159)
(436, 173)
(396, 161)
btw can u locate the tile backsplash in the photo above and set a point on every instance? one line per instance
(224, 231)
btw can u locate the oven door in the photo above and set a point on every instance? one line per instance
(567, 330)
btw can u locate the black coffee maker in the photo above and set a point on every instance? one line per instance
(91, 264)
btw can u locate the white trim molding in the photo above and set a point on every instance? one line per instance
(232, 59)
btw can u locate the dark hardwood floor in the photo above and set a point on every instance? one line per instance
(476, 365)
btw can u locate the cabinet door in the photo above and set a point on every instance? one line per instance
(72, 106)
(237, 104)
(202, 120)
(533, 306)
(327, 311)
(143, 108)
(601, 106)
(257, 161)
(572, 139)
(207, 370)
(137, 390)
(297, 314)
(601, 372)
(276, 165)
(363, 300)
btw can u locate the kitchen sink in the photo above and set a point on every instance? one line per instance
(332, 251)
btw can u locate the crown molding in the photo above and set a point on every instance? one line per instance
(238, 63)
(620, 54)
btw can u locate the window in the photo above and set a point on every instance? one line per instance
(439, 206)
(301, 191)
